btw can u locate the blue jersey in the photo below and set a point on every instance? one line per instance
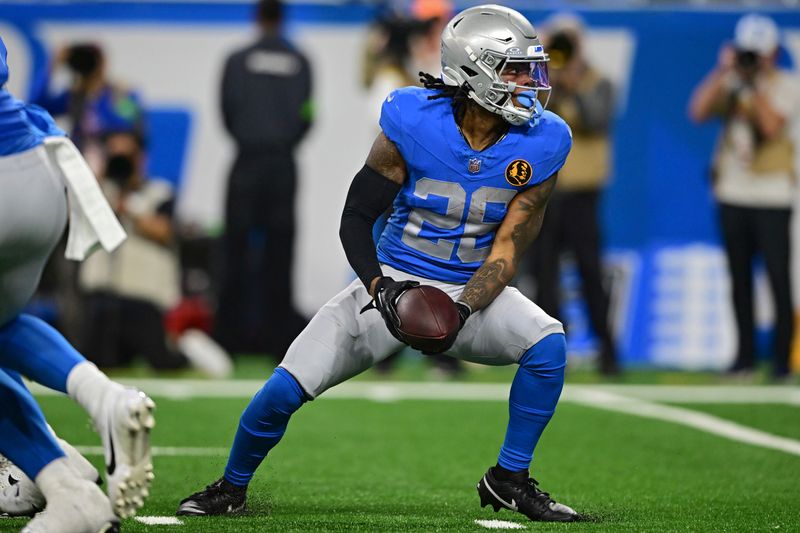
(445, 216)
(22, 126)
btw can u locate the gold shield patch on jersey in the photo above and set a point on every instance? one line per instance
(519, 172)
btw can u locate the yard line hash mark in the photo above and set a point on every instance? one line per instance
(499, 524)
(159, 520)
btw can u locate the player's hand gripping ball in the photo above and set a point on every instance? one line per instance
(421, 316)
(429, 319)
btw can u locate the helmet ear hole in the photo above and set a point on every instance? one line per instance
(468, 71)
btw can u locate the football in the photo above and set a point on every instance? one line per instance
(428, 318)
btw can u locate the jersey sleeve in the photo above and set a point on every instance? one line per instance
(391, 121)
(42, 121)
(560, 137)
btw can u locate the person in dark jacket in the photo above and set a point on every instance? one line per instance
(267, 109)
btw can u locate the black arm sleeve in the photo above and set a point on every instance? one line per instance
(369, 196)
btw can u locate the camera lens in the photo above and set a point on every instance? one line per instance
(747, 59)
(83, 58)
(560, 50)
(119, 169)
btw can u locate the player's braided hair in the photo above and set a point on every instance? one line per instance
(459, 94)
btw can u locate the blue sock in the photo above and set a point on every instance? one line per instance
(26, 441)
(262, 425)
(532, 402)
(36, 350)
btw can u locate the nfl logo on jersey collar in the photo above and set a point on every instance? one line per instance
(474, 165)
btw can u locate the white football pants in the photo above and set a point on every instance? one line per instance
(33, 213)
(341, 342)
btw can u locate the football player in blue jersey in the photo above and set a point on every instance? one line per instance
(468, 164)
(37, 166)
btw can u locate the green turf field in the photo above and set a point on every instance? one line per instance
(362, 465)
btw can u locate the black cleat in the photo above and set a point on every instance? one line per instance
(520, 493)
(221, 497)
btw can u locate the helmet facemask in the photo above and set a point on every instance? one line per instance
(479, 44)
(500, 96)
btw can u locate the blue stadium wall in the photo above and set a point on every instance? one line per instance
(659, 219)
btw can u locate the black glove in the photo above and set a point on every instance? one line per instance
(387, 291)
(464, 312)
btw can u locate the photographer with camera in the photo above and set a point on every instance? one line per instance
(584, 98)
(129, 291)
(92, 104)
(754, 174)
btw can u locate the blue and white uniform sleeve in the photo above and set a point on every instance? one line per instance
(562, 144)
(391, 120)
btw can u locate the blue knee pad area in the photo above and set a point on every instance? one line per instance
(262, 425)
(548, 356)
(35, 349)
(534, 394)
(27, 440)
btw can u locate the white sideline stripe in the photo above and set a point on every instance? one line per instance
(394, 391)
(165, 451)
(159, 520)
(597, 397)
(499, 524)
(687, 417)
(747, 394)
(629, 399)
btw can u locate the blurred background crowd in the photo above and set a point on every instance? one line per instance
(224, 134)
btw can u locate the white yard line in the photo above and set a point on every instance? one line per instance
(704, 393)
(166, 451)
(394, 391)
(499, 524)
(687, 417)
(590, 397)
(173, 521)
(159, 520)
(629, 399)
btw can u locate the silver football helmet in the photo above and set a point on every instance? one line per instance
(479, 43)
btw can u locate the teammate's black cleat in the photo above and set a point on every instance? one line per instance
(221, 497)
(518, 492)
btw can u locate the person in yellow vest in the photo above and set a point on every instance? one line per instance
(585, 99)
(754, 174)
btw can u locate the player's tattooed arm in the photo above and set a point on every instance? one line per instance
(385, 159)
(519, 229)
